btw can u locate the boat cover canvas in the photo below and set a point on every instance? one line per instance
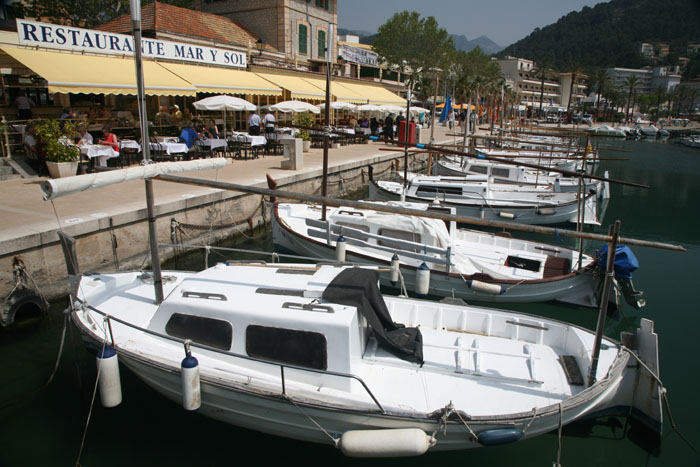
(359, 288)
(625, 261)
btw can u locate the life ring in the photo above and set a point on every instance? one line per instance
(22, 304)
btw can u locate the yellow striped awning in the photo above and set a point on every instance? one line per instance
(374, 93)
(298, 86)
(222, 80)
(90, 74)
(345, 94)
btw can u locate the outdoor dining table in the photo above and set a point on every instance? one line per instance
(257, 140)
(130, 144)
(167, 139)
(170, 147)
(99, 152)
(213, 143)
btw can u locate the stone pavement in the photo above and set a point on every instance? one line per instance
(30, 222)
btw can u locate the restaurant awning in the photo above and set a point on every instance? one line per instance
(345, 94)
(223, 81)
(299, 87)
(376, 94)
(91, 74)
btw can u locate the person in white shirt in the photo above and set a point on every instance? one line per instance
(254, 124)
(269, 121)
(85, 137)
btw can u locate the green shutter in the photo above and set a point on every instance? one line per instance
(322, 43)
(303, 39)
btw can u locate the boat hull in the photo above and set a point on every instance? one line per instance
(526, 214)
(578, 288)
(289, 416)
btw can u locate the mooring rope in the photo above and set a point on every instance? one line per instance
(92, 402)
(561, 416)
(331, 437)
(664, 395)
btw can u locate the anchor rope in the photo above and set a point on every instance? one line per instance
(335, 440)
(664, 395)
(561, 415)
(92, 401)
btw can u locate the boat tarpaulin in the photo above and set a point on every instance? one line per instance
(360, 288)
(625, 261)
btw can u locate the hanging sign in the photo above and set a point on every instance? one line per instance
(358, 55)
(56, 36)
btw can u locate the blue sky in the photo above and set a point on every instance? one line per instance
(503, 21)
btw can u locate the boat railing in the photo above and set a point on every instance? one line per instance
(282, 366)
(407, 248)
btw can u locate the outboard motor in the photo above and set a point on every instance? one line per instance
(625, 264)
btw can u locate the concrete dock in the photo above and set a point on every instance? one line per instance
(110, 223)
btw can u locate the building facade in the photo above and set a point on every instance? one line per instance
(298, 29)
(649, 78)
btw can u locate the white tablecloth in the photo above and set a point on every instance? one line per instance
(167, 139)
(253, 140)
(349, 131)
(130, 143)
(171, 148)
(100, 152)
(212, 143)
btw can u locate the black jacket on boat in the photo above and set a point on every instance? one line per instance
(359, 288)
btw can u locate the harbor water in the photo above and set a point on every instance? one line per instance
(55, 423)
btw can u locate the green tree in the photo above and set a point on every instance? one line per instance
(576, 71)
(599, 82)
(631, 84)
(413, 43)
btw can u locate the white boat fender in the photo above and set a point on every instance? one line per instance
(191, 390)
(394, 269)
(499, 436)
(485, 287)
(545, 211)
(482, 212)
(400, 442)
(109, 382)
(423, 279)
(507, 215)
(340, 246)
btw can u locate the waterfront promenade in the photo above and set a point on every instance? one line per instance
(29, 224)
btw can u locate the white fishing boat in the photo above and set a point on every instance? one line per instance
(607, 130)
(545, 158)
(316, 354)
(476, 196)
(437, 259)
(515, 174)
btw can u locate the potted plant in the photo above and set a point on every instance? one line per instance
(307, 120)
(55, 144)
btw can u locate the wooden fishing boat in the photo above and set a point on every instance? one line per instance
(478, 197)
(316, 354)
(462, 263)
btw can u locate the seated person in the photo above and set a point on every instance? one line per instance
(85, 137)
(189, 135)
(109, 139)
(213, 130)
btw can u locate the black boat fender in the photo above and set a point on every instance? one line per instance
(22, 303)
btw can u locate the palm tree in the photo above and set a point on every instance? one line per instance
(631, 84)
(543, 70)
(600, 82)
(576, 71)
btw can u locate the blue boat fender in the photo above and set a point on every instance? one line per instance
(499, 436)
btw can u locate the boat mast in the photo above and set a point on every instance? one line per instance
(327, 117)
(145, 147)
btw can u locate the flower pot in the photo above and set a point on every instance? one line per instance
(306, 146)
(62, 169)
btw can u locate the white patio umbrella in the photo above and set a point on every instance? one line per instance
(419, 110)
(224, 103)
(369, 108)
(338, 105)
(295, 107)
(391, 108)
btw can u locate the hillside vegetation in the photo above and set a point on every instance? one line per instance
(610, 34)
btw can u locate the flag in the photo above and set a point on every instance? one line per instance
(446, 109)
